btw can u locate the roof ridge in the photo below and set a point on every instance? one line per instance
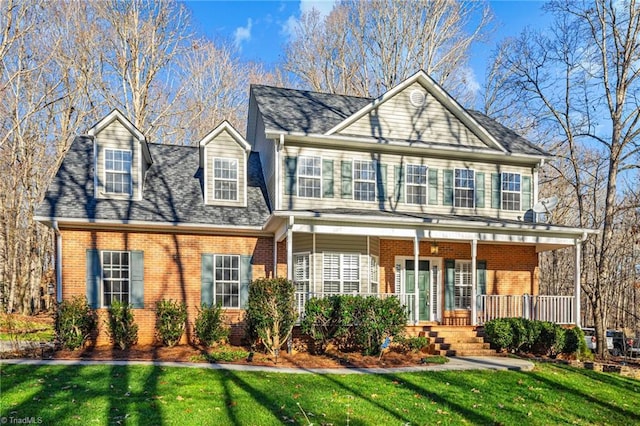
(312, 91)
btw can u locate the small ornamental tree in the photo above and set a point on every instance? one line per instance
(122, 328)
(171, 318)
(271, 312)
(75, 322)
(209, 326)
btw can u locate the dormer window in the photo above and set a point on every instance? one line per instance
(117, 170)
(225, 179)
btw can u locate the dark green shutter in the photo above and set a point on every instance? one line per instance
(448, 188)
(290, 172)
(526, 192)
(495, 190)
(433, 187)
(480, 190)
(381, 181)
(449, 284)
(481, 280)
(398, 172)
(245, 279)
(93, 278)
(327, 178)
(206, 280)
(346, 191)
(137, 279)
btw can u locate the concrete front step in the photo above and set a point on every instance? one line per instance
(469, 352)
(462, 346)
(438, 339)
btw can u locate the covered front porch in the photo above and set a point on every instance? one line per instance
(446, 270)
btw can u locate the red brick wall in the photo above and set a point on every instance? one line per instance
(172, 265)
(511, 269)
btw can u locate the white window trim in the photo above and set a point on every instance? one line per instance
(505, 191)
(299, 175)
(457, 285)
(341, 279)
(455, 187)
(425, 186)
(105, 171)
(213, 177)
(354, 180)
(102, 279)
(215, 293)
(374, 273)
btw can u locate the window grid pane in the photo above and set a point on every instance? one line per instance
(227, 281)
(225, 179)
(462, 293)
(309, 177)
(511, 191)
(117, 168)
(364, 181)
(464, 195)
(115, 277)
(416, 184)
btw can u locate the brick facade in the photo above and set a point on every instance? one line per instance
(511, 269)
(172, 270)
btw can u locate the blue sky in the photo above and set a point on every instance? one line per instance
(260, 28)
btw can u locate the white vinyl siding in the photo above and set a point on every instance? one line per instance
(117, 171)
(364, 181)
(398, 119)
(225, 179)
(511, 191)
(115, 277)
(462, 296)
(464, 188)
(309, 177)
(416, 184)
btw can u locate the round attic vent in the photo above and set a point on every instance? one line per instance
(417, 98)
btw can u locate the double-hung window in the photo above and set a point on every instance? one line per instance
(511, 190)
(309, 177)
(341, 273)
(226, 281)
(117, 170)
(364, 181)
(301, 271)
(225, 179)
(462, 295)
(416, 184)
(115, 277)
(375, 274)
(464, 190)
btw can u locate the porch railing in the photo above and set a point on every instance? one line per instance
(405, 299)
(557, 309)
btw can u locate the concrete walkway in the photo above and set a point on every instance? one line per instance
(454, 364)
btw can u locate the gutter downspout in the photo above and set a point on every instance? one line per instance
(56, 229)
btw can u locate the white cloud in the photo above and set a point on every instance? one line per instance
(324, 7)
(243, 34)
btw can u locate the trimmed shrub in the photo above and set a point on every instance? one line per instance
(413, 344)
(499, 333)
(271, 312)
(356, 322)
(574, 343)
(550, 339)
(209, 326)
(171, 318)
(75, 322)
(122, 328)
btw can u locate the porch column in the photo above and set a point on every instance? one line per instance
(474, 282)
(275, 256)
(577, 282)
(290, 249)
(416, 271)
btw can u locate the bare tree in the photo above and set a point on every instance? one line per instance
(366, 48)
(580, 79)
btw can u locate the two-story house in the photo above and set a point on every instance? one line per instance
(408, 195)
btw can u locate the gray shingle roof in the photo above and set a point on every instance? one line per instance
(291, 110)
(172, 191)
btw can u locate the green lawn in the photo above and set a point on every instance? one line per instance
(134, 395)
